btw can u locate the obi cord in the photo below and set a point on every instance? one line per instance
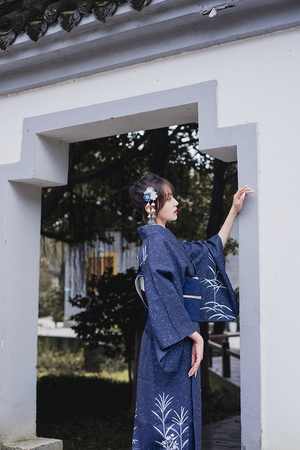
(149, 195)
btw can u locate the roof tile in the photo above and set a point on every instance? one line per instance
(34, 17)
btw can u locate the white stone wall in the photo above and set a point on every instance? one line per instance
(258, 82)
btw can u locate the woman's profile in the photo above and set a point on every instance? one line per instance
(185, 283)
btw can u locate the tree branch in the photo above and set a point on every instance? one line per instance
(49, 202)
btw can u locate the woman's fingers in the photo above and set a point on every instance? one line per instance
(239, 197)
(194, 370)
(244, 190)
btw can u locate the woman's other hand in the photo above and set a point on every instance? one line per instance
(197, 353)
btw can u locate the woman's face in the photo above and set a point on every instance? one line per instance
(168, 212)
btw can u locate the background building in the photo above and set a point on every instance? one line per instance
(79, 268)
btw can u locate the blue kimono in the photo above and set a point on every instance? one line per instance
(168, 409)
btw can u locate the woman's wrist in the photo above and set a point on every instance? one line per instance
(233, 211)
(196, 337)
(227, 225)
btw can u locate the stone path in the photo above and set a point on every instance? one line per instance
(222, 435)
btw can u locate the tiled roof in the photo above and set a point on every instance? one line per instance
(34, 17)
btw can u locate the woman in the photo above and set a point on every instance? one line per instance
(168, 410)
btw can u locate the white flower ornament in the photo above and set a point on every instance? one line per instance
(150, 194)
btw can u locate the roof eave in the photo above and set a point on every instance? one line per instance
(164, 28)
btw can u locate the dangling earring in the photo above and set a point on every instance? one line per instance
(153, 211)
(150, 194)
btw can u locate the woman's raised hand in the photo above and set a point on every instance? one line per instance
(239, 197)
(237, 203)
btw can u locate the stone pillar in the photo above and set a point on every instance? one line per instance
(20, 205)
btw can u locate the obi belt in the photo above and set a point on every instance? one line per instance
(198, 309)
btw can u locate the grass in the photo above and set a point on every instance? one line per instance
(88, 411)
(54, 362)
(51, 362)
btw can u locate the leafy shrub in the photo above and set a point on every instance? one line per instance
(53, 362)
(111, 312)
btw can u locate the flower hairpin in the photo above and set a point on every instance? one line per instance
(149, 195)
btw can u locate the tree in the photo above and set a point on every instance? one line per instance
(52, 271)
(96, 198)
(111, 313)
(54, 303)
(44, 285)
(101, 175)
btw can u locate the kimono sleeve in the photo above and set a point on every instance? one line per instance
(218, 299)
(168, 321)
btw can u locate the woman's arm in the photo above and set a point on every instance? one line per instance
(237, 204)
(198, 345)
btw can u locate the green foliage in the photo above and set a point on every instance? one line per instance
(44, 285)
(51, 267)
(54, 362)
(97, 197)
(111, 312)
(232, 247)
(53, 302)
(51, 361)
(103, 171)
(45, 277)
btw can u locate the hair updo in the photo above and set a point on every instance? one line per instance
(161, 186)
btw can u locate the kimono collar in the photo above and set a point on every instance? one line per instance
(148, 230)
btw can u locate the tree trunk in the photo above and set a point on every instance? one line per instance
(216, 206)
(160, 151)
(213, 227)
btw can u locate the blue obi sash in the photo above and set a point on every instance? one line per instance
(190, 294)
(195, 305)
(192, 298)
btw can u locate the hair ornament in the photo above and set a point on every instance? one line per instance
(149, 195)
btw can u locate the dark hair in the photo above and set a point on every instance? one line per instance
(159, 184)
